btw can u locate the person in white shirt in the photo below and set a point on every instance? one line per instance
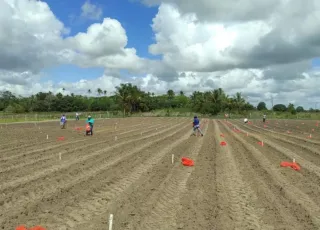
(77, 117)
(245, 120)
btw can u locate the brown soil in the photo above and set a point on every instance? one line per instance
(238, 186)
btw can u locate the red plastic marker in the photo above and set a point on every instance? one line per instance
(223, 143)
(293, 165)
(187, 161)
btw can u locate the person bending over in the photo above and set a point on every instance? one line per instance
(89, 126)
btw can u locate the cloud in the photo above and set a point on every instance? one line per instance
(191, 43)
(224, 11)
(30, 36)
(91, 11)
(101, 39)
(257, 48)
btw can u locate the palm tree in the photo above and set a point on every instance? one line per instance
(170, 94)
(181, 93)
(89, 91)
(123, 94)
(105, 92)
(130, 97)
(99, 91)
(239, 101)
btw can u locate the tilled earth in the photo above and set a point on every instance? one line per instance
(125, 169)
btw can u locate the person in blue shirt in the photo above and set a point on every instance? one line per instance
(90, 122)
(196, 126)
(63, 121)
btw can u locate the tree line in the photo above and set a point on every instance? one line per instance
(130, 98)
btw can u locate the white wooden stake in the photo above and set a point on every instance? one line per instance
(47, 136)
(110, 221)
(310, 135)
(294, 160)
(172, 158)
(262, 143)
(60, 156)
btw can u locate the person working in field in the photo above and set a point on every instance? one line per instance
(89, 125)
(245, 120)
(63, 121)
(196, 126)
(264, 118)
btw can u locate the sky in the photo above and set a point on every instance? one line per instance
(263, 49)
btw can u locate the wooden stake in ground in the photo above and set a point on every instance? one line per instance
(60, 156)
(110, 221)
(172, 158)
(47, 136)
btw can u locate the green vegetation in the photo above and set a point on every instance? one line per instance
(129, 100)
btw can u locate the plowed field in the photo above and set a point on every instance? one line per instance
(125, 169)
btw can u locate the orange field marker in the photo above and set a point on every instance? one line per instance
(293, 165)
(61, 138)
(223, 143)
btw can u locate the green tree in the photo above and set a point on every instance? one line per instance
(300, 109)
(170, 94)
(291, 109)
(279, 108)
(99, 91)
(262, 106)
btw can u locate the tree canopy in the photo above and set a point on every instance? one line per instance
(129, 98)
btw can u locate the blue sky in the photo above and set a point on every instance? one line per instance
(135, 18)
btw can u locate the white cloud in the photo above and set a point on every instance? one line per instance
(30, 36)
(191, 45)
(91, 11)
(101, 39)
(260, 48)
(224, 11)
